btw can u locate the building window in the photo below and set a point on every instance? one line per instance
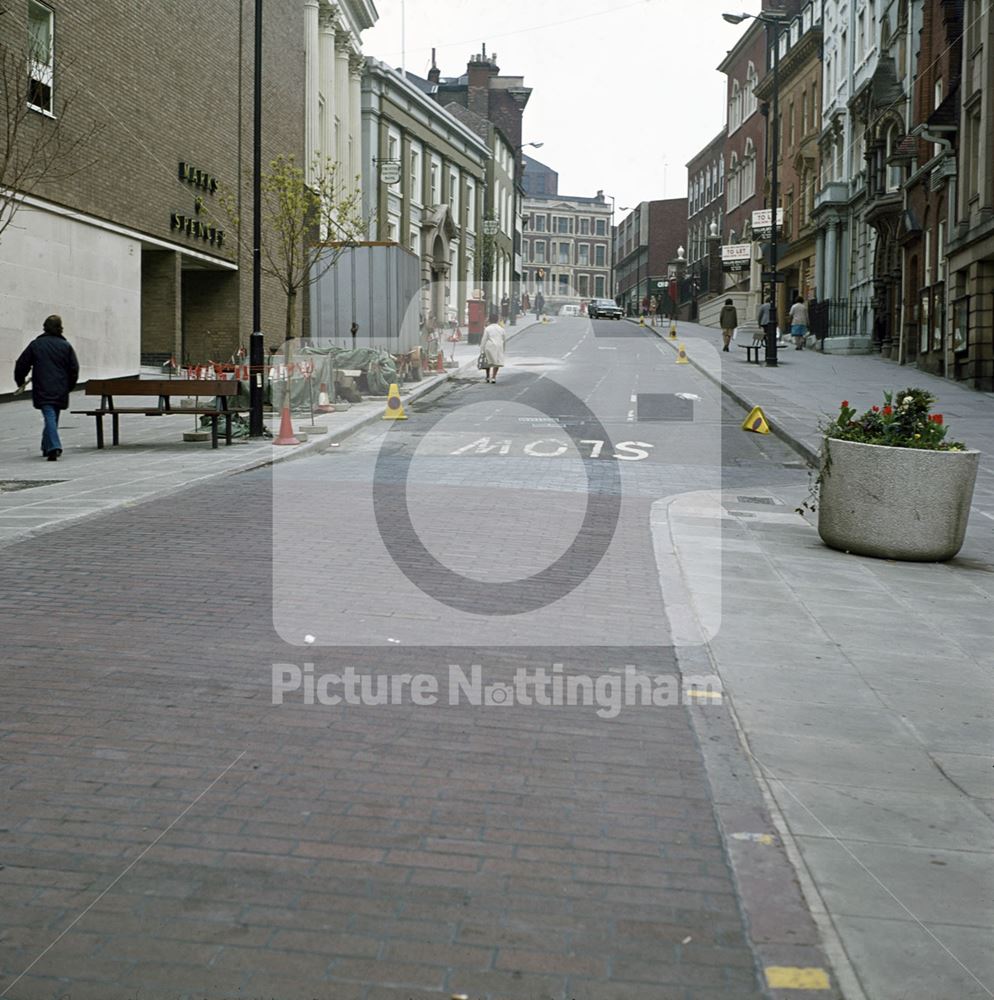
(539, 224)
(470, 206)
(539, 251)
(804, 113)
(564, 284)
(41, 56)
(585, 227)
(415, 169)
(583, 255)
(600, 230)
(564, 253)
(600, 254)
(599, 286)
(735, 107)
(583, 286)
(749, 97)
(412, 243)
(433, 191)
(562, 224)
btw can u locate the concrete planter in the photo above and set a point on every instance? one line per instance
(895, 503)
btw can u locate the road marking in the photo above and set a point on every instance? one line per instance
(765, 839)
(789, 977)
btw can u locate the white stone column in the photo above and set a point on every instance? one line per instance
(312, 85)
(820, 264)
(327, 85)
(342, 101)
(831, 256)
(355, 123)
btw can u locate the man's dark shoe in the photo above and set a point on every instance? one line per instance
(53, 456)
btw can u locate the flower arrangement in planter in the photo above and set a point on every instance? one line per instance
(905, 423)
(891, 485)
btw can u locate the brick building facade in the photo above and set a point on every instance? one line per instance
(133, 248)
(647, 245)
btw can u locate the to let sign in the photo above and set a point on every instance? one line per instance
(736, 256)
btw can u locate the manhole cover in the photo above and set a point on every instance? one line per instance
(769, 501)
(13, 485)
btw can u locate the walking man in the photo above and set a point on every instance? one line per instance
(54, 370)
(728, 320)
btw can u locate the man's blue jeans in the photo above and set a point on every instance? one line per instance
(50, 435)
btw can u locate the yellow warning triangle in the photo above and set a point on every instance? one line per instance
(395, 408)
(681, 356)
(756, 422)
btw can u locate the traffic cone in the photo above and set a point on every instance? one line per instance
(285, 435)
(324, 404)
(673, 329)
(681, 356)
(395, 408)
(439, 363)
(756, 422)
(641, 321)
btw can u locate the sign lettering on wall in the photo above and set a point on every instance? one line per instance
(192, 225)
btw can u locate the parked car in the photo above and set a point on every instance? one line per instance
(603, 309)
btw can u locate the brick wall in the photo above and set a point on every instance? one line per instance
(164, 83)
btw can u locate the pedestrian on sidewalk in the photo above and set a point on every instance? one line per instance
(799, 322)
(652, 310)
(505, 307)
(765, 319)
(728, 320)
(54, 370)
(492, 348)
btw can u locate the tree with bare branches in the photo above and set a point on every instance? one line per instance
(39, 143)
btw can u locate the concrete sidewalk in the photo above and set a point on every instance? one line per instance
(153, 459)
(862, 690)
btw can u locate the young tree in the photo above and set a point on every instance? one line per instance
(306, 224)
(35, 147)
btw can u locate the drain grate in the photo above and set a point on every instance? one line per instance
(14, 485)
(768, 501)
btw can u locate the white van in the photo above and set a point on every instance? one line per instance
(569, 310)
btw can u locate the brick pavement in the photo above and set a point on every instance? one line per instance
(378, 852)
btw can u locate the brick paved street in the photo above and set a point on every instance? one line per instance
(170, 832)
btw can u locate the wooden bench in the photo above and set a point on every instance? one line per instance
(107, 389)
(758, 345)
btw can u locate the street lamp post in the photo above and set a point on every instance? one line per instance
(772, 20)
(255, 339)
(515, 249)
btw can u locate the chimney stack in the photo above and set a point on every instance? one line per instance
(433, 74)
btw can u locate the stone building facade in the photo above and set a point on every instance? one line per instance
(130, 246)
(567, 248)
(648, 242)
(434, 208)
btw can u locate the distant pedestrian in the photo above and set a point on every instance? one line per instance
(539, 304)
(765, 319)
(728, 320)
(799, 323)
(505, 307)
(645, 306)
(525, 302)
(54, 370)
(652, 310)
(492, 348)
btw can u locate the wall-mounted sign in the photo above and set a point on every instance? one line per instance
(736, 256)
(389, 171)
(490, 227)
(192, 224)
(196, 177)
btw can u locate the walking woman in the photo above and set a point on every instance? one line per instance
(728, 320)
(492, 348)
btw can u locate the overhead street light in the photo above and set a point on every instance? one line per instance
(772, 19)
(515, 246)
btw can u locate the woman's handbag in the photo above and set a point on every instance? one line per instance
(481, 361)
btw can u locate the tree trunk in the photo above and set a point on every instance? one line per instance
(291, 314)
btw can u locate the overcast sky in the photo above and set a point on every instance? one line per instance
(623, 93)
